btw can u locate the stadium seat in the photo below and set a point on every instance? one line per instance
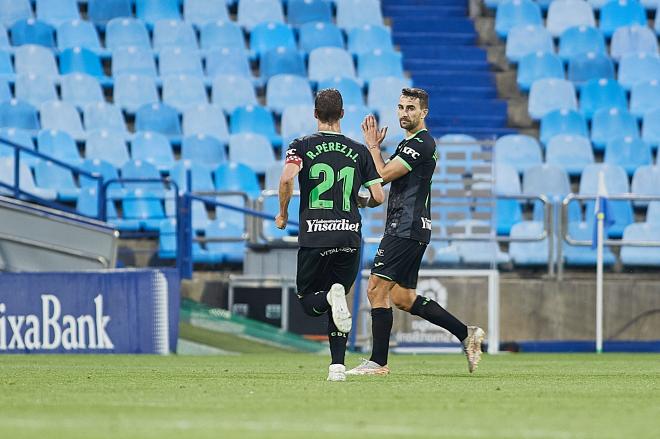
(529, 253)
(562, 121)
(160, 118)
(18, 114)
(646, 181)
(5, 91)
(590, 65)
(507, 181)
(644, 97)
(297, 121)
(230, 252)
(200, 176)
(107, 171)
(4, 39)
(35, 60)
(60, 145)
(201, 12)
(25, 180)
(237, 177)
(35, 89)
(632, 40)
(479, 252)
(271, 35)
(581, 39)
(518, 150)
(272, 177)
(549, 180)
(82, 60)
(154, 148)
(253, 12)
(183, 92)
(538, 65)
(139, 169)
(315, 35)
(281, 60)
(56, 12)
(285, 90)
(610, 123)
(88, 204)
(254, 119)
(79, 33)
(105, 116)
(330, 62)
(222, 34)
(167, 239)
(179, 61)
(14, 10)
(379, 63)
(601, 93)
(350, 90)
(352, 120)
(22, 138)
(208, 120)
(308, 11)
(653, 213)
(251, 149)
(628, 152)
(368, 38)
(102, 11)
(641, 256)
(62, 116)
(584, 255)
(525, 39)
(551, 94)
(126, 32)
(48, 175)
(370, 13)
(133, 61)
(81, 89)
(638, 68)
(511, 13)
(108, 146)
(507, 213)
(231, 91)
(616, 182)
(384, 92)
(31, 31)
(143, 206)
(569, 152)
(617, 13)
(651, 127)
(6, 66)
(569, 13)
(133, 91)
(204, 149)
(173, 33)
(229, 62)
(151, 11)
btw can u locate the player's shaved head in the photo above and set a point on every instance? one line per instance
(417, 93)
(328, 105)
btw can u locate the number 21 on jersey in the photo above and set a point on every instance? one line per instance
(325, 173)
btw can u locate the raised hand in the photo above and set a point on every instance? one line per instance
(373, 136)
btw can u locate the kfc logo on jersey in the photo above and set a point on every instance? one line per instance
(293, 157)
(411, 152)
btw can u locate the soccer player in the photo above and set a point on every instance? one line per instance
(407, 232)
(331, 168)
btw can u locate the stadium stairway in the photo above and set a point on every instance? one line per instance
(439, 45)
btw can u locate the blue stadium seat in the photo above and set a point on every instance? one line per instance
(591, 65)
(142, 206)
(507, 213)
(653, 213)
(633, 39)
(5, 91)
(88, 204)
(281, 60)
(108, 146)
(173, 33)
(179, 61)
(569, 13)
(384, 92)
(25, 180)
(297, 121)
(308, 11)
(56, 12)
(81, 89)
(368, 38)
(108, 171)
(254, 119)
(348, 18)
(253, 12)
(583, 255)
(20, 137)
(617, 183)
(610, 123)
(601, 93)
(646, 181)
(353, 118)
(232, 252)
(315, 35)
(222, 34)
(551, 94)
(105, 116)
(133, 61)
(617, 13)
(651, 127)
(201, 12)
(152, 11)
(507, 181)
(35, 60)
(62, 116)
(638, 68)
(569, 152)
(237, 177)
(102, 11)
(200, 176)
(511, 13)
(32, 31)
(270, 35)
(330, 62)
(126, 32)
(285, 90)
(525, 39)
(204, 149)
(60, 145)
(272, 177)
(528, 253)
(6, 66)
(379, 63)
(478, 252)
(48, 175)
(641, 256)
(153, 148)
(184, 91)
(518, 150)
(18, 114)
(139, 169)
(350, 90)
(167, 239)
(82, 60)
(644, 97)
(251, 149)
(628, 152)
(160, 118)
(4, 39)
(35, 89)
(581, 39)
(133, 91)
(230, 216)
(14, 10)
(208, 120)
(228, 61)
(538, 65)
(79, 33)
(562, 121)
(549, 180)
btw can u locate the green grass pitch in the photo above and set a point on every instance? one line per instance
(286, 396)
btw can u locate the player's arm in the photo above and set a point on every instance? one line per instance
(291, 169)
(377, 195)
(373, 137)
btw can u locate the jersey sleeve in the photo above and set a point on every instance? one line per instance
(369, 173)
(294, 153)
(414, 153)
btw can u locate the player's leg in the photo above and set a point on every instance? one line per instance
(312, 287)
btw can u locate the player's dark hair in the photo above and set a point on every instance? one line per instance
(418, 93)
(328, 105)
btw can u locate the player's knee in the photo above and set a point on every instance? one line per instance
(402, 301)
(377, 295)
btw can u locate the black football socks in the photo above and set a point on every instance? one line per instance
(381, 327)
(431, 311)
(337, 341)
